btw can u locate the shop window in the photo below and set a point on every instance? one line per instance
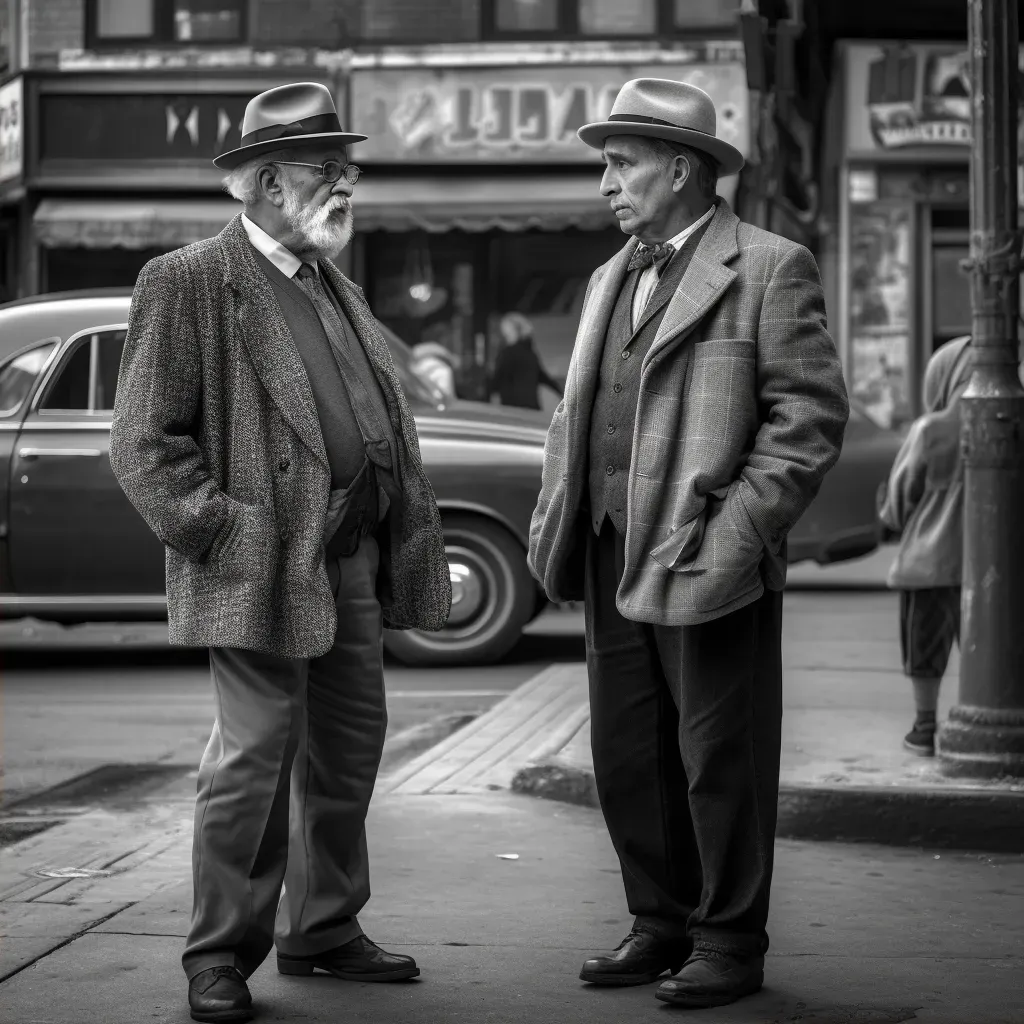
(114, 22)
(702, 15)
(615, 18)
(951, 292)
(525, 16)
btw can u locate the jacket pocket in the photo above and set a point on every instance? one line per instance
(246, 548)
(684, 543)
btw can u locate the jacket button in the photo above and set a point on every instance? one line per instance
(284, 533)
(617, 388)
(611, 428)
(609, 470)
(565, 476)
(284, 465)
(626, 354)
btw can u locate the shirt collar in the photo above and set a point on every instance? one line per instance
(677, 241)
(284, 259)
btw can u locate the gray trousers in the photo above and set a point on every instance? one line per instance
(284, 786)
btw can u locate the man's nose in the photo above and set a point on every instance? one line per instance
(609, 186)
(342, 187)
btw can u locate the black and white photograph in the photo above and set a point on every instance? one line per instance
(511, 511)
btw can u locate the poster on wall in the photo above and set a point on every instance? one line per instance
(906, 97)
(522, 114)
(880, 254)
(12, 130)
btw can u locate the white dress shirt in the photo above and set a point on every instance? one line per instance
(284, 259)
(649, 278)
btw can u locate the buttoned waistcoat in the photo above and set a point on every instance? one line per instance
(741, 410)
(216, 441)
(614, 415)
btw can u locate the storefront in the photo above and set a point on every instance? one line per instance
(478, 198)
(118, 169)
(904, 218)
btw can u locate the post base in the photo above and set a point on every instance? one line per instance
(981, 743)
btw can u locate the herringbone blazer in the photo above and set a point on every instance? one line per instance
(741, 412)
(216, 441)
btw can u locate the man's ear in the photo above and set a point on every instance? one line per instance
(268, 179)
(680, 172)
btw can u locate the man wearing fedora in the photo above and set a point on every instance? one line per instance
(260, 430)
(704, 404)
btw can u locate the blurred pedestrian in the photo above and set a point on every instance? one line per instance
(437, 365)
(518, 372)
(705, 402)
(260, 430)
(923, 505)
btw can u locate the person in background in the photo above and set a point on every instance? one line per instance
(923, 505)
(518, 372)
(437, 365)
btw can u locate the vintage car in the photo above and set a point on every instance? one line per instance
(73, 549)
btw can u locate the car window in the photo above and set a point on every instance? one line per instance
(86, 380)
(19, 373)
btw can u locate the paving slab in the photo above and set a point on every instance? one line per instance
(860, 934)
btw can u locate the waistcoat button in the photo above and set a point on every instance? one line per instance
(609, 470)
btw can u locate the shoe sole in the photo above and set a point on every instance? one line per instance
(699, 1002)
(222, 1016)
(921, 751)
(623, 980)
(305, 969)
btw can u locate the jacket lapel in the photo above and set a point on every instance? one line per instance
(704, 282)
(268, 339)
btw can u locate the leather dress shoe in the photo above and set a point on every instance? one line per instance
(219, 994)
(358, 960)
(638, 959)
(710, 978)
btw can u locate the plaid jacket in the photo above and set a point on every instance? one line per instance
(216, 441)
(741, 412)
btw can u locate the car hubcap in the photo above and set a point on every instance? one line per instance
(467, 592)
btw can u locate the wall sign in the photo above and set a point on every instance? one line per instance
(527, 114)
(111, 128)
(12, 130)
(905, 96)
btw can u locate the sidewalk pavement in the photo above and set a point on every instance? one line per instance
(859, 933)
(844, 773)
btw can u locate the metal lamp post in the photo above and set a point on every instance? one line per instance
(984, 736)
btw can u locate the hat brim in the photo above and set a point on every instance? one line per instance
(229, 161)
(729, 158)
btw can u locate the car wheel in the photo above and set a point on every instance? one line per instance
(493, 597)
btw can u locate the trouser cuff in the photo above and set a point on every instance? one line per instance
(731, 945)
(199, 962)
(665, 929)
(322, 942)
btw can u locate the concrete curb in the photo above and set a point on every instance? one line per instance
(991, 821)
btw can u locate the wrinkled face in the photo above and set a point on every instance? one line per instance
(319, 212)
(638, 185)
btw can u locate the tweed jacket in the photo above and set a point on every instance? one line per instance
(216, 441)
(741, 412)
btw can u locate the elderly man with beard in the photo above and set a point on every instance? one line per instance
(260, 430)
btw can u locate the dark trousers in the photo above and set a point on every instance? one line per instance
(284, 788)
(686, 730)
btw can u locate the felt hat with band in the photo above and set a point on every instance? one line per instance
(663, 109)
(287, 116)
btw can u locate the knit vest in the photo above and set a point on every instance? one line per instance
(613, 416)
(343, 437)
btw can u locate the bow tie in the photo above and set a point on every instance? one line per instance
(647, 255)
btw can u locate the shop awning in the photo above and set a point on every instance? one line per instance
(129, 224)
(478, 203)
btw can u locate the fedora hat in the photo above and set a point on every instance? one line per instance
(662, 109)
(287, 116)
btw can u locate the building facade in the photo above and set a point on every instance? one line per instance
(477, 198)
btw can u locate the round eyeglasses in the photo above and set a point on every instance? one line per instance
(330, 170)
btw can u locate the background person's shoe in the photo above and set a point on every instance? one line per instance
(638, 959)
(710, 978)
(358, 960)
(921, 739)
(219, 995)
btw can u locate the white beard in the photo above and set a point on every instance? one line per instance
(323, 232)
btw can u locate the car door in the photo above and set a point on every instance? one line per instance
(72, 530)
